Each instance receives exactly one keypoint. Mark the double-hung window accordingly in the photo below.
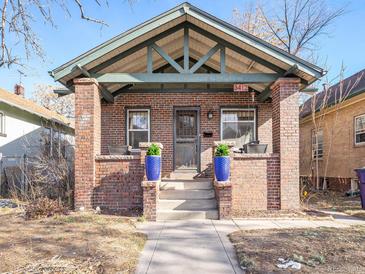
(2, 124)
(238, 125)
(138, 126)
(317, 144)
(360, 130)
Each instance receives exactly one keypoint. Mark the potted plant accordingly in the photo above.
(222, 163)
(153, 163)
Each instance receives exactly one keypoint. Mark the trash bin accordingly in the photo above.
(361, 175)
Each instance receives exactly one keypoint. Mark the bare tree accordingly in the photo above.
(319, 107)
(17, 25)
(44, 96)
(293, 25)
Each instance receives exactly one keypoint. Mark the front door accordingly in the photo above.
(186, 139)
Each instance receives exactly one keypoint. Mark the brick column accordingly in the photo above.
(151, 189)
(223, 192)
(87, 139)
(150, 199)
(285, 132)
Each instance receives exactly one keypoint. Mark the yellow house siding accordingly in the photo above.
(341, 155)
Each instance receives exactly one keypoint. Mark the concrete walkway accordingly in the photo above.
(202, 246)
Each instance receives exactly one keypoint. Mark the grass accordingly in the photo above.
(319, 250)
(76, 243)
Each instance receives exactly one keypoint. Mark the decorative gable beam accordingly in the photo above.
(266, 93)
(237, 49)
(186, 50)
(167, 58)
(219, 78)
(104, 92)
(205, 58)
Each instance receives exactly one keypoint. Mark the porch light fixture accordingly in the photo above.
(210, 115)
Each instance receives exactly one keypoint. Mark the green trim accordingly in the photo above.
(104, 92)
(205, 58)
(167, 58)
(181, 10)
(130, 78)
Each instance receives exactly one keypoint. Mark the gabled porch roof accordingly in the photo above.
(185, 45)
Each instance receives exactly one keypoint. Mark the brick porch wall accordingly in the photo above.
(118, 187)
(161, 107)
(255, 182)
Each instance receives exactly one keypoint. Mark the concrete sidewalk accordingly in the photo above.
(202, 246)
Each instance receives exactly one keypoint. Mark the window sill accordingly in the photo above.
(3, 135)
(359, 145)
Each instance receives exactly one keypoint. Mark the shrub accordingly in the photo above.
(44, 207)
(222, 150)
(153, 150)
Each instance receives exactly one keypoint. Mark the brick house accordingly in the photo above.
(332, 134)
(186, 80)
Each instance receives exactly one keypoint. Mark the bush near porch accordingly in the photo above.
(76, 243)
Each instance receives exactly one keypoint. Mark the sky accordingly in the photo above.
(73, 36)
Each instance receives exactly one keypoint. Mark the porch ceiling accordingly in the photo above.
(127, 53)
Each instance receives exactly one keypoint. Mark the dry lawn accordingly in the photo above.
(77, 243)
(320, 250)
(335, 201)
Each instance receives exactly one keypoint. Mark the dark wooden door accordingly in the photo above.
(186, 139)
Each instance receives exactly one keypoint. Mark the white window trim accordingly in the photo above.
(314, 131)
(148, 121)
(357, 143)
(239, 109)
(3, 124)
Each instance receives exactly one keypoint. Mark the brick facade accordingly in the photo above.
(285, 132)
(340, 154)
(161, 107)
(258, 182)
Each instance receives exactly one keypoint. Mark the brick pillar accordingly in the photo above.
(151, 189)
(150, 199)
(87, 139)
(285, 132)
(223, 192)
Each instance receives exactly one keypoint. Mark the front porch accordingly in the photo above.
(172, 80)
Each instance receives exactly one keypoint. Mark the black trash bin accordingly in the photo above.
(361, 175)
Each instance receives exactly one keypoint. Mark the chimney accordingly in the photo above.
(19, 90)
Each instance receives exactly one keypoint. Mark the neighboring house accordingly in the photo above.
(186, 79)
(27, 128)
(332, 134)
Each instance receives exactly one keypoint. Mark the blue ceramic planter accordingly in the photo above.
(221, 168)
(153, 167)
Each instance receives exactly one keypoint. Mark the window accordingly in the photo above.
(2, 124)
(238, 125)
(138, 126)
(360, 130)
(317, 144)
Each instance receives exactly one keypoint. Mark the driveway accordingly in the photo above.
(202, 246)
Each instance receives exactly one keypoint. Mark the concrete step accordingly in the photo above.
(187, 194)
(183, 175)
(186, 184)
(186, 214)
(203, 204)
